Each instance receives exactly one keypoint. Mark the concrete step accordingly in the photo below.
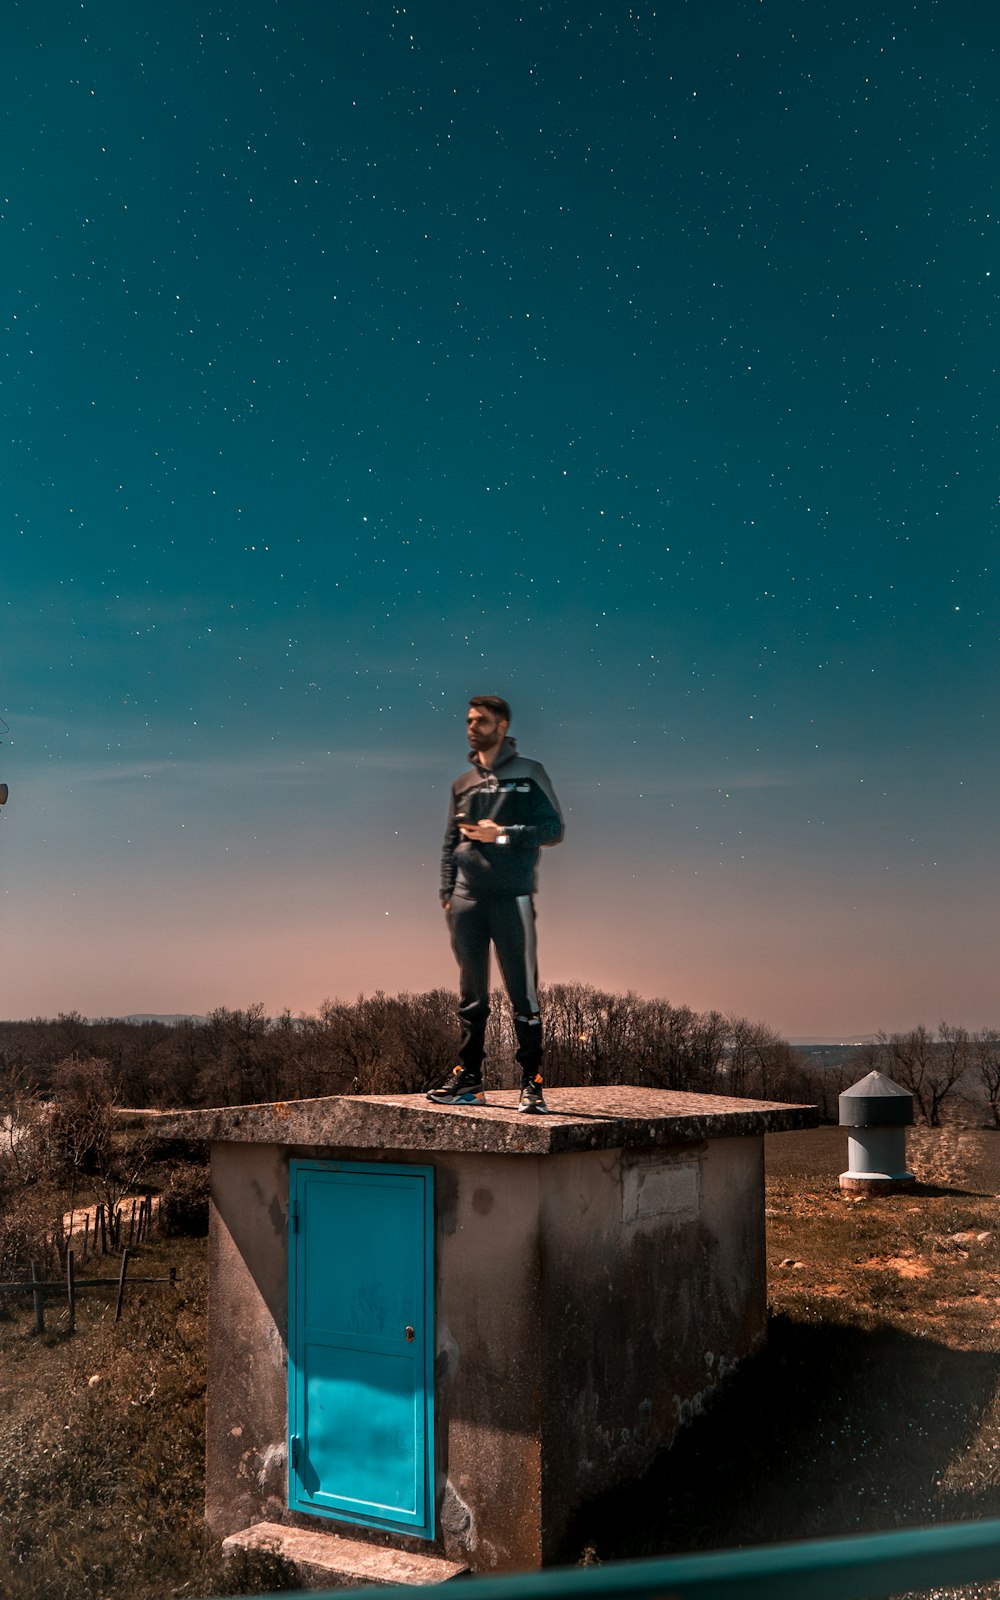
(328, 1561)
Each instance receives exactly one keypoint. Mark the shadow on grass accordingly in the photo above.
(946, 1191)
(831, 1429)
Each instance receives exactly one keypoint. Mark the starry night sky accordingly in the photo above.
(636, 363)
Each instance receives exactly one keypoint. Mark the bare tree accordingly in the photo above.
(930, 1068)
(760, 1062)
(19, 1112)
(240, 1067)
(985, 1053)
(708, 1039)
(80, 1121)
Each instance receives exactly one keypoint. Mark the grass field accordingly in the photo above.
(102, 1441)
(875, 1404)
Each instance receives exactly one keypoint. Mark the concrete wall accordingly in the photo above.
(654, 1287)
(247, 1408)
(585, 1303)
(488, 1397)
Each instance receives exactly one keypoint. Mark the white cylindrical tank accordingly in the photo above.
(878, 1113)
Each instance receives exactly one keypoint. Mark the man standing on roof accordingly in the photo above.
(502, 811)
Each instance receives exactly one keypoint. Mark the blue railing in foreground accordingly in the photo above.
(910, 1559)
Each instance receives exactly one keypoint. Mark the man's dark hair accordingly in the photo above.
(494, 703)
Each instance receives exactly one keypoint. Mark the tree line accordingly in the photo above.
(382, 1044)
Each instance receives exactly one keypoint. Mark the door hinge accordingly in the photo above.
(293, 1217)
(295, 1451)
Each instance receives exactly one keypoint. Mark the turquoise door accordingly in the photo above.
(361, 1343)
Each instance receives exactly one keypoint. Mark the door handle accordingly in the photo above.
(410, 1335)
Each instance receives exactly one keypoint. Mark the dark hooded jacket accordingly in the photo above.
(518, 795)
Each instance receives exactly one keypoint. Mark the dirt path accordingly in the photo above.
(75, 1222)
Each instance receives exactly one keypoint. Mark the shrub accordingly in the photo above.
(23, 1239)
(78, 1127)
(184, 1202)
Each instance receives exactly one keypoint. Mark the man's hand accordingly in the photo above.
(485, 832)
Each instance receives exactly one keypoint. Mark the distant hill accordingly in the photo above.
(850, 1041)
(830, 1057)
(169, 1021)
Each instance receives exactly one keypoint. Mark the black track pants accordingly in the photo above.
(508, 922)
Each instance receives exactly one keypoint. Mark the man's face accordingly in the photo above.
(484, 728)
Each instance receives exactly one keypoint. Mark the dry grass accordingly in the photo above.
(102, 1442)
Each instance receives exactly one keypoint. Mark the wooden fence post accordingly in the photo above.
(99, 1218)
(121, 1284)
(70, 1292)
(39, 1298)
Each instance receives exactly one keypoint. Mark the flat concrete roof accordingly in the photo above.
(580, 1119)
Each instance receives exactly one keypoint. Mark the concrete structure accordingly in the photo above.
(878, 1111)
(595, 1274)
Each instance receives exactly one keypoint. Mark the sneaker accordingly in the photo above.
(462, 1088)
(531, 1095)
